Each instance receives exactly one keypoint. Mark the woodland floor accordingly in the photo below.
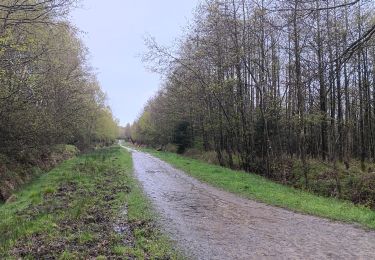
(209, 223)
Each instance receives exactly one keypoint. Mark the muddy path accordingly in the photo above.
(207, 223)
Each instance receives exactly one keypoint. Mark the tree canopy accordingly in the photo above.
(258, 81)
(49, 94)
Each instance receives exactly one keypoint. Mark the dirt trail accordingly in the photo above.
(208, 223)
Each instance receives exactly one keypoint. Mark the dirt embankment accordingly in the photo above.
(16, 172)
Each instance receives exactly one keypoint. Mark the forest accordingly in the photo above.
(258, 144)
(51, 104)
(285, 89)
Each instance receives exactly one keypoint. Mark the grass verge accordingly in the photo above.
(88, 207)
(256, 187)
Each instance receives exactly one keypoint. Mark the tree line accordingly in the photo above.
(261, 82)
(49, 94)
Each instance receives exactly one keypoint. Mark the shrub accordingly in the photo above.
(172, 148)
(360, 188)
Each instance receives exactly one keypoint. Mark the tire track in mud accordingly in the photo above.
(207, 223)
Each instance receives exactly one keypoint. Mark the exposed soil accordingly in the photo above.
(207, 223)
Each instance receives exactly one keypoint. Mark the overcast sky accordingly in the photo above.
(114, 32)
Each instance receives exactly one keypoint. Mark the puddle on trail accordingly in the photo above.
(123, 228)
(207, 223)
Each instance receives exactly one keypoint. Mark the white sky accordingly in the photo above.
(114, 31)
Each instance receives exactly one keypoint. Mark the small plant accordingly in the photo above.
(67, 256)
(49, 190)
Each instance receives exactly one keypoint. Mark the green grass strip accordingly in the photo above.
(70, 213)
